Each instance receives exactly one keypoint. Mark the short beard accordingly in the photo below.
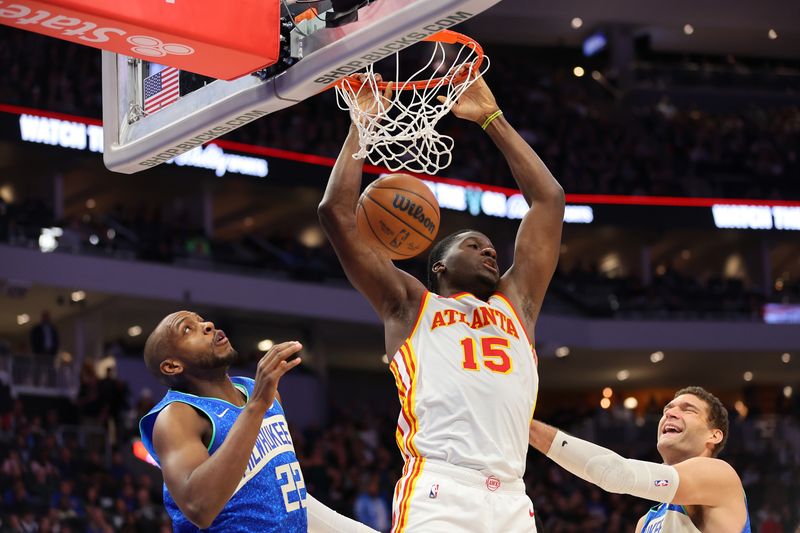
(213, 362)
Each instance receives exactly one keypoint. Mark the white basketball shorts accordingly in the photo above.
(437, 497)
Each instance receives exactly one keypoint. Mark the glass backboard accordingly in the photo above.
(152, 113)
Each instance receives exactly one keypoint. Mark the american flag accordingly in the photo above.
(161, 89)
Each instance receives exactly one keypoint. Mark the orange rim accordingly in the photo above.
(443, 36)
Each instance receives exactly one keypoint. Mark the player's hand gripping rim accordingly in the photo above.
(372, 105)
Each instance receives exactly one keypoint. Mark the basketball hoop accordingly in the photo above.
(400, 132)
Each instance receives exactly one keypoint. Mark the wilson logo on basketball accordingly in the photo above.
(398, 215)
(416, 211)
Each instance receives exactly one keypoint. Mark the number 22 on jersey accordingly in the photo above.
(492, 352)
(293, 477)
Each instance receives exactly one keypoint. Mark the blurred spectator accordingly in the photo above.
(44, 336)
(370, 508)
(90, 405)
(113, 396)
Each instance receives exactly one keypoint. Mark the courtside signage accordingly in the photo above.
(89, 137)
(478, 201)
(756, 217)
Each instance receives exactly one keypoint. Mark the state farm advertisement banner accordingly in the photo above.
(220, 40)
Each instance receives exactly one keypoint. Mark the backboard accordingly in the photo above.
(313, 57)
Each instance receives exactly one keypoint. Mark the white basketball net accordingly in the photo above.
(399, 133)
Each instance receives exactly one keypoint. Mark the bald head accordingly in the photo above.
(159, 344)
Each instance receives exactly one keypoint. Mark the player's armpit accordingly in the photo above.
(707, 481)
(640, 525)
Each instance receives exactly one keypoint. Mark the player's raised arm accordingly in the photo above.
(538, 240)
(696, 481)
(388, 289)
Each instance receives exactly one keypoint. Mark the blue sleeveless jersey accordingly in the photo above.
(671, 518)
(271, 494)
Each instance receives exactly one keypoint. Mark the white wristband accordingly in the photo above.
(612, 472)
(322, 519)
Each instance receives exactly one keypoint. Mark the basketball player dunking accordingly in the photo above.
(698, 491)
(463, 357)
(222, 442)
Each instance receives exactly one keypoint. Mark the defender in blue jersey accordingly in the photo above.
(222, 442)
(697, 491)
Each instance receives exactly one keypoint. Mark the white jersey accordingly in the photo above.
(467, 382)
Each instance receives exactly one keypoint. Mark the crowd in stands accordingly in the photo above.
(593, 141)
(150, 235)
(671, 294)
(56, 481)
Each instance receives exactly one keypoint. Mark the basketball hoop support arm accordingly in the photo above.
(383, 28)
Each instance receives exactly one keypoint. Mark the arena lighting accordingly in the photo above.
(578, 72)
(7, 193)
(312, 237)
(787, 391)
(562, 351)
(134, 331)
(630, 403)
(608, 392)
(786, 357)
(265, 345)
(772, 34)
(385, 359)
(605, 403)
(748, 376)
(657, 357)
(77, 296)
(48, 239)
(688, 29)
(91, 203)
(577, 22)
(23, 319)
(622, 375)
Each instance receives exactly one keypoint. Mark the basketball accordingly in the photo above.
(398, 215)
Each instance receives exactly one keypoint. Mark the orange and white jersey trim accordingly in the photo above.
(467, 382)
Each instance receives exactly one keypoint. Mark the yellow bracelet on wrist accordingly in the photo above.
(490, 118)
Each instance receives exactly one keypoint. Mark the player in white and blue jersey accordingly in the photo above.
(697, 491)
(222, 442)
